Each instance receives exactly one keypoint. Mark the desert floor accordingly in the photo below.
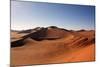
(77, 46)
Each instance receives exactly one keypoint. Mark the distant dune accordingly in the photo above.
(51, 45)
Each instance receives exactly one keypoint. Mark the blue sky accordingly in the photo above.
(26, 15)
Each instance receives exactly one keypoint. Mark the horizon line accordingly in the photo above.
(47, 27)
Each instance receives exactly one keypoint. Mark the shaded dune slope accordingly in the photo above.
(40, 34)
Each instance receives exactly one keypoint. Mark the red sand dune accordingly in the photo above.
(52, 45)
